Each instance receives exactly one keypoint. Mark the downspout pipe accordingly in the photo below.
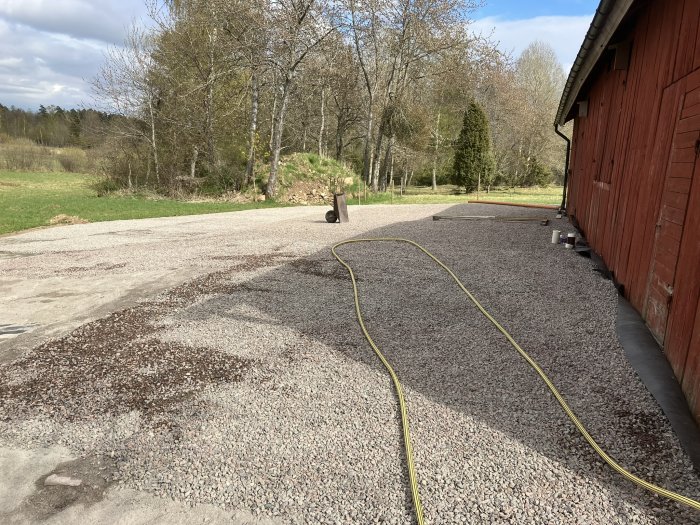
(562, 208)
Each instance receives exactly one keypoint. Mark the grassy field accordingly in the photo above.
(446, 195)
(30, 200)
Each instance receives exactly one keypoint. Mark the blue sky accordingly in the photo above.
(513, 24)
(50, 49)
(519, 9)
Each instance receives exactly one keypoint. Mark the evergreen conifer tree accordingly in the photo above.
(473, 155)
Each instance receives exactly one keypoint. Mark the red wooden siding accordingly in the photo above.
(669, 228)
(635, 175)
(683, 343)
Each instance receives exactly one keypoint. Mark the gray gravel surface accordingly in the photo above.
(302, 425)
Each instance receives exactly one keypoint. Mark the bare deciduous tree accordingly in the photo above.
(300, 26)
(126, 86)
(383, 84)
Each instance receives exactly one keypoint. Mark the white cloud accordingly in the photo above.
(46, 44)
(104, 21)
(10, 62)
(564, 33)
(46, 68)
(50, 49)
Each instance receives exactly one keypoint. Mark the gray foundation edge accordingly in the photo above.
(650, 363)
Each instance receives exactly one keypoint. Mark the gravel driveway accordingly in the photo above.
(249, 390)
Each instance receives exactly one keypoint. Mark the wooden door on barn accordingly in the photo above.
(660, 302)
(682, 344)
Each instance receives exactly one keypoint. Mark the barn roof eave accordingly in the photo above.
(606, 20)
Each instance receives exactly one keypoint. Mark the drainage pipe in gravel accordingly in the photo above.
(413, 480)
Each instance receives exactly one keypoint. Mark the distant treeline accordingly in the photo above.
(56, 127)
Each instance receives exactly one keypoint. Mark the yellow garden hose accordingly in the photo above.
(402, 402)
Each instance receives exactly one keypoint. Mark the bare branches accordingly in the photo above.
(383, 81)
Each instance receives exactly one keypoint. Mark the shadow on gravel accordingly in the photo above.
(553, 302)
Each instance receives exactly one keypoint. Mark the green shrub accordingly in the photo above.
(105, 186)
(537, 174)
(425, 177)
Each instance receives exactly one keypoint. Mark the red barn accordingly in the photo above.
(633, 183)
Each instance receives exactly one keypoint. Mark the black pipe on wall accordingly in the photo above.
(562, 208)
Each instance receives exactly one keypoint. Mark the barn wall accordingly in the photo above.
(634, 183)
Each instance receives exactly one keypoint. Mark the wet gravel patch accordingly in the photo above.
(110, 379)
(95, 475)
(308, 430)
(118, 364)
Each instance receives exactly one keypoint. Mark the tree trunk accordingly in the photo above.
(209, 105)
(278, 127)
(339, 139)
(323, 123)
(378, 152)
(435, 153)
(391, 160)
(272, 124)
(386, 166)
(209, 125)
(367, 158)
(252, 132)
(154, 145)
(193, 163)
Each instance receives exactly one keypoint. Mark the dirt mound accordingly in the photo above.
(66, 219)
(308, 192)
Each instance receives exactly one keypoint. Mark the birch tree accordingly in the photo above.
(381, 83)
(300, 26)
(247, 28)
(394, 41)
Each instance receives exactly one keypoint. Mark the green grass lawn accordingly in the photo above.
(29, 200)
(446, 195)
